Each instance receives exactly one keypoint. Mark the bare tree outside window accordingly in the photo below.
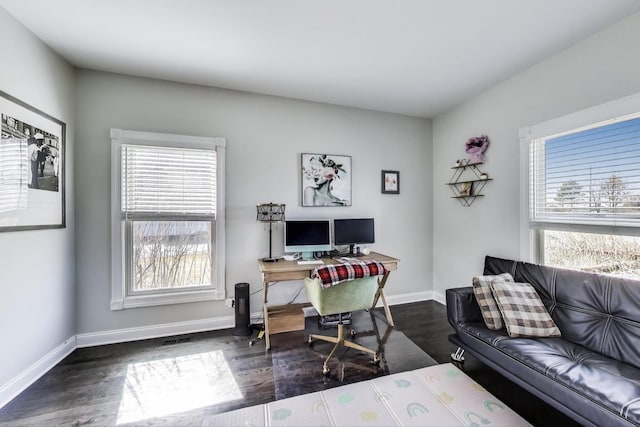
(570, 194)
(171, 254)
(613, 192)
(598, 253)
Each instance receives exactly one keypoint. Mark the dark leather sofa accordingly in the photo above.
(591, 373)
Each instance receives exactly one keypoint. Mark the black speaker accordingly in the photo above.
(241, 306)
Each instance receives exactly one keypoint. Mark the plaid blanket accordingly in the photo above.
(332, 274)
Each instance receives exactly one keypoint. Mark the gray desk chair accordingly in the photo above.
(347, 296)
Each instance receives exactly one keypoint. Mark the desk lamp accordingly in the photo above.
(270, 212)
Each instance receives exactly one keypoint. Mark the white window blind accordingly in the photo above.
(168, 181)
(589, 176)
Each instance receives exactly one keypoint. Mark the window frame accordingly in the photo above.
(532, 238)
(120, 299)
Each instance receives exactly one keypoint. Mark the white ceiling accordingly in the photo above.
(414, 57)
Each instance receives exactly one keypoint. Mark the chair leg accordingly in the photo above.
(322, 338)
(361, 348)
(339, 341)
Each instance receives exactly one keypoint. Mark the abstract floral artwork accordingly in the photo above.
(326, 180)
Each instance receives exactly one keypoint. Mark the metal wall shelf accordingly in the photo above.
(466, 190)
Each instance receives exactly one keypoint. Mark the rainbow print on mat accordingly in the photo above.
(436, 396)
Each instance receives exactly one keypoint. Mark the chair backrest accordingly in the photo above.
(351, 295)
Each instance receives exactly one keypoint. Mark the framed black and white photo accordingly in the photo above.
(326, 180)
(32, 152)
(390, 182)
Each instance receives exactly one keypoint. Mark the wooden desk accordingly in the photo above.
(282, 270)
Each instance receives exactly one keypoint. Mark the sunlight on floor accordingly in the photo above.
(163, 387)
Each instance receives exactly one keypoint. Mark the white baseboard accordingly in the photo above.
(154, 331)
(255, 317)
(439, 297)
(407, 298)
(169, 329)
(30, 375)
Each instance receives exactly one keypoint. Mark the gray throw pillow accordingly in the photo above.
(522, 310)
(484, 296)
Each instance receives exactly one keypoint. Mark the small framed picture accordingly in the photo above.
(465, 189)
(390, 182)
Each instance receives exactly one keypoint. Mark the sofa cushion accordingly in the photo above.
(488, 306)
(481, 332)
(613, 384)
(523, 312)
(525, 361)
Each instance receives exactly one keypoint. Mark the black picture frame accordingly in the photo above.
(32, 167)
(390, 182)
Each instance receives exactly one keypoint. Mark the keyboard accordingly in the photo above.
(311, 261)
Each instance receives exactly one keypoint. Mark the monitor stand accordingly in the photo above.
(307, 256)
(352, 251)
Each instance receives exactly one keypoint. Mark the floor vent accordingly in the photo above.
(174, 341)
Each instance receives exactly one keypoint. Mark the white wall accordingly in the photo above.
(601, 68)
(36, 267)
(265, 136)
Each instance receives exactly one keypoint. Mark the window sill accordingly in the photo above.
(139, 301)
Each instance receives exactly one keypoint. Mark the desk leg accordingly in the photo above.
(380, 294)
(265, 314)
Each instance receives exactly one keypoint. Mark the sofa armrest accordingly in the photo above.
(462, 306)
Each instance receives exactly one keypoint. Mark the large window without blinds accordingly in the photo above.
(584, 197)
(169, 220)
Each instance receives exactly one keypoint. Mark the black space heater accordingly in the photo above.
(241, 306)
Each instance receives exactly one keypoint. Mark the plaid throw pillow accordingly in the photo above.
(522, 309)
(488, 306)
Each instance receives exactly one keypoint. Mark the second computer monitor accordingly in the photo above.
(353, 231)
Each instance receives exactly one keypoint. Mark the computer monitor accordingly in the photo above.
(353, 231)
(307, 236)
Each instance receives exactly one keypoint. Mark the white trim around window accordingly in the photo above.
(120, 299)
(530, 246)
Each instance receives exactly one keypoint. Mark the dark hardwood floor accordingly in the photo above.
(183, 380)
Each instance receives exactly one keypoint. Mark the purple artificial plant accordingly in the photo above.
(476, 147)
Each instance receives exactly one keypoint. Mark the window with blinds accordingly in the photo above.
(169, 199)
(589, 176)
(168, 181)
(167, 213)
(584, 197)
